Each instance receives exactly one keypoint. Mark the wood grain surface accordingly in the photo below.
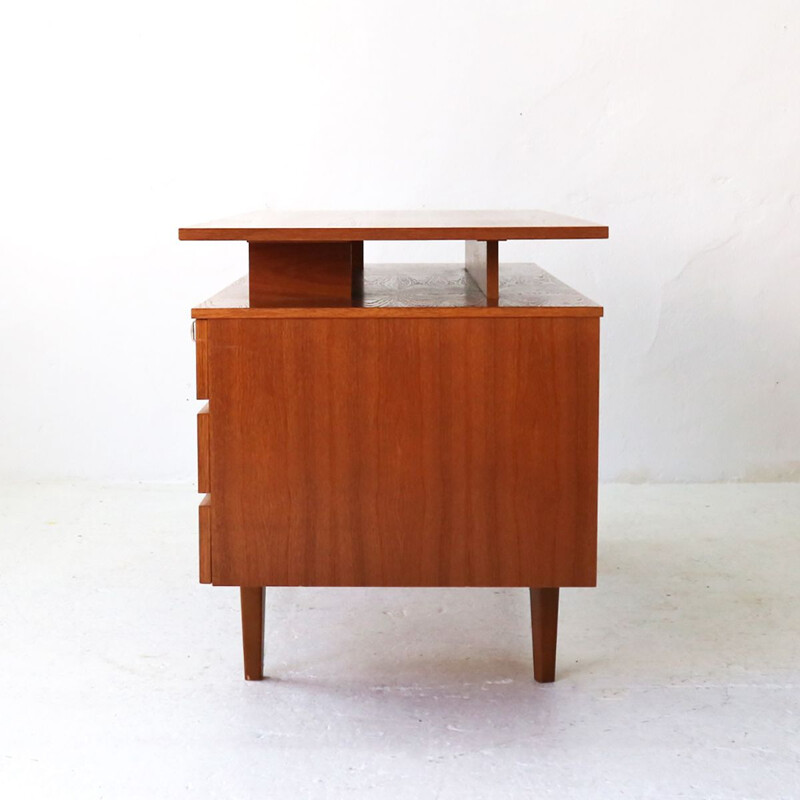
(337, 226)
(404, 452)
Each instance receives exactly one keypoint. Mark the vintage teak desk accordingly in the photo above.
(425, 425)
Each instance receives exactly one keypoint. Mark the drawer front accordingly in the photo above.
(201, 345)
(205, 539)
(203, 450)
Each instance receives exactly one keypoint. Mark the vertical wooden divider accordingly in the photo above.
(357, 260)
(482, 263)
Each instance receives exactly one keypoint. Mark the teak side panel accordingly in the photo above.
(404, 452)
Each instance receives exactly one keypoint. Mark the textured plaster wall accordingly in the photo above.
(677, 123)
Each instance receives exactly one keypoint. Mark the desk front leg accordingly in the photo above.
(253, 605)
(544, 629)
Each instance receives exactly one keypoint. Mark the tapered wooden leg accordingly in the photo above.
(544, 628)
(253, 631)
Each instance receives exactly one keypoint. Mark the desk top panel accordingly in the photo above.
(434, 290)
(346, 226)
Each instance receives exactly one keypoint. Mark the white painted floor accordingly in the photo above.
(679, 676)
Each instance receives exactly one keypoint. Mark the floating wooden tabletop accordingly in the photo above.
(346, 226)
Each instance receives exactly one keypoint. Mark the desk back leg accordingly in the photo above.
(253, 631)
(544, 628)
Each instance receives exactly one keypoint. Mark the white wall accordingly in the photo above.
(677, 123)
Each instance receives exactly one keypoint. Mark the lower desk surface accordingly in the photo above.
(416, 289)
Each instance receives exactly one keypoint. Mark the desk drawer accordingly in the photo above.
(201, 345)
(205, 539)
(203, 450)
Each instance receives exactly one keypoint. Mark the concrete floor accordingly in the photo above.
(679, 676)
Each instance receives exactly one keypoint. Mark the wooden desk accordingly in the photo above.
(413, 425)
